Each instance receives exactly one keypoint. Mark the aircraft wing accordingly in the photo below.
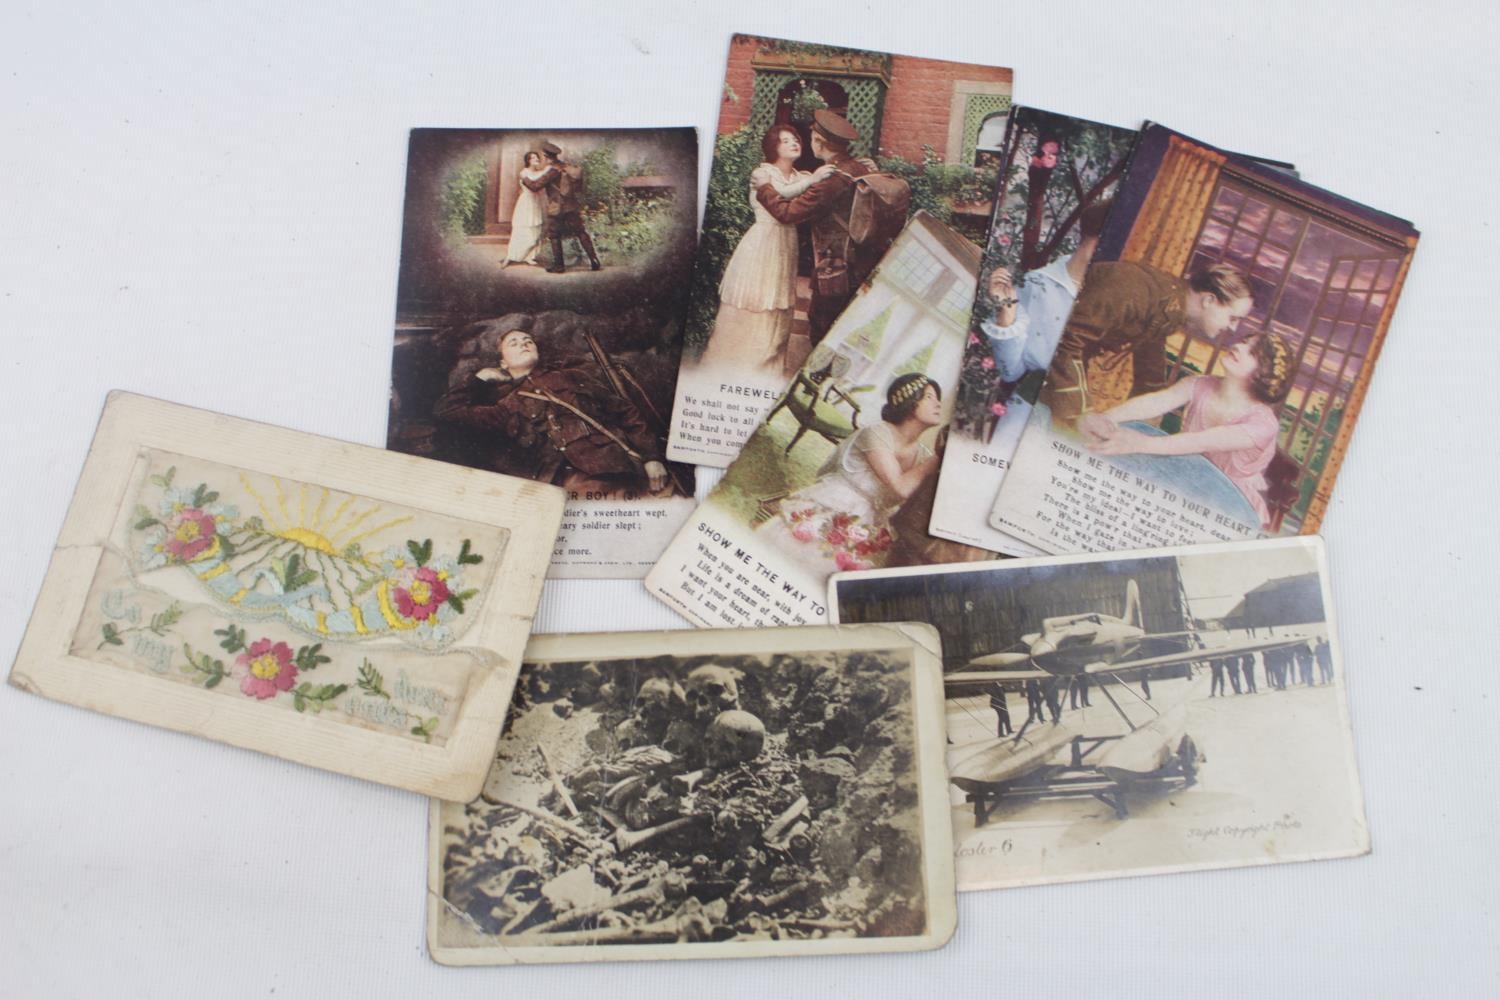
(1194, 655)
(968, 678)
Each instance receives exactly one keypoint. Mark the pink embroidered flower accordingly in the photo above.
(858, 533)
(803, 533)
(845, 561)
(987, 363)
(998, 409)
(1005, 240)
(973, 339)
(835, 536)
(189, 532)
(265, 668)
(419, 597)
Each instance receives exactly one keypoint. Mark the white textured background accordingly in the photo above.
(203, 203)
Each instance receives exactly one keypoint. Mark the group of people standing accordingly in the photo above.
(1309, 663)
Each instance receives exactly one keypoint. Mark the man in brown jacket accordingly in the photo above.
(563, 183)
(1117, 332)
(552, 423)
(840, 265)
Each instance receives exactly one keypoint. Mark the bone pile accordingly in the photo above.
(657, 801)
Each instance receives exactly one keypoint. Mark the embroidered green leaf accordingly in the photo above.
(234, 638)
(371, 682)
(457, 600)
(163, 620)
(144, 518)
(425, 729)
(211, 670)
(227, 547)
(354, 552)
(366, 584)
(165, 479)
(315, 696)
(421, 553)
(111, 637)
(466, 558)
(309, 657)
(292, 574)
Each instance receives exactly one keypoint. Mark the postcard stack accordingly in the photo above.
(1012, 578)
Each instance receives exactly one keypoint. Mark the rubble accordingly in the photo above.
(677, 799)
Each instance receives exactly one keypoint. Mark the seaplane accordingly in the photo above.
(1029, 763)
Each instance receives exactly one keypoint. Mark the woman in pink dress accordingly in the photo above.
(1230, 419)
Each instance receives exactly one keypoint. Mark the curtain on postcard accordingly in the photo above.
(1168, 223)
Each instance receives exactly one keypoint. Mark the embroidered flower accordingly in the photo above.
(987, 363)
(419, 592)
(804, 533)
(189, 532)
(973, 339)
(998, 409)
(265, 668)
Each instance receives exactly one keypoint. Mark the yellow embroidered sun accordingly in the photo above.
(337, 535)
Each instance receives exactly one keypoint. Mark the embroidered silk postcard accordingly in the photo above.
(841, 473)
(821, 156)
(1169, 710)
(705, 795)
(1058, 183)
(543, 279)
(1208, 379)
(328, 603)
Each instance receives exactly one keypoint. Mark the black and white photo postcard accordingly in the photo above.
(539, 323)
(327, 603)
(714, 794)
(1162, 711)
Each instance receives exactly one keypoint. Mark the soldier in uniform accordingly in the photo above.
(840, 265)
(563, 183)
(998, 701)
(552, 423)
(1122, 318)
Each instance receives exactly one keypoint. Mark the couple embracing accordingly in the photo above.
(550, 205)
(850, 226)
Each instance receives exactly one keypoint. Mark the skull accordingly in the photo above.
(653, 703)
(710, 691)
(733, 737)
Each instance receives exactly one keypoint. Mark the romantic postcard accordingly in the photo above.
(842, 471)
(1057, 185)
(720, 794)
(1208, 379)
(821, 156)
(1168, 710)
(323, 602)
(539, 323)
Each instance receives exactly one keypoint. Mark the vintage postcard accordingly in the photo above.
(820, 157)
(539, 316)
(746, 794)
(841, 473)
(1164, 711)
(1057, 186)
(1209, 377)
(323, 602)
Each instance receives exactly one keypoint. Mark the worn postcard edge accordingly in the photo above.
(130, 423)
(932, 780)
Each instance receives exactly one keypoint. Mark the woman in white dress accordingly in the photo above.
(758, 293)
(842, 520)
(529, 215)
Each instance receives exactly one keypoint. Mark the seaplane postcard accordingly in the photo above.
(539, 323)
(1169, 710)
(841, 473)
(1057, 188)
(821, 155)
(1208, 379)
(328, 603)
(716, 794)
